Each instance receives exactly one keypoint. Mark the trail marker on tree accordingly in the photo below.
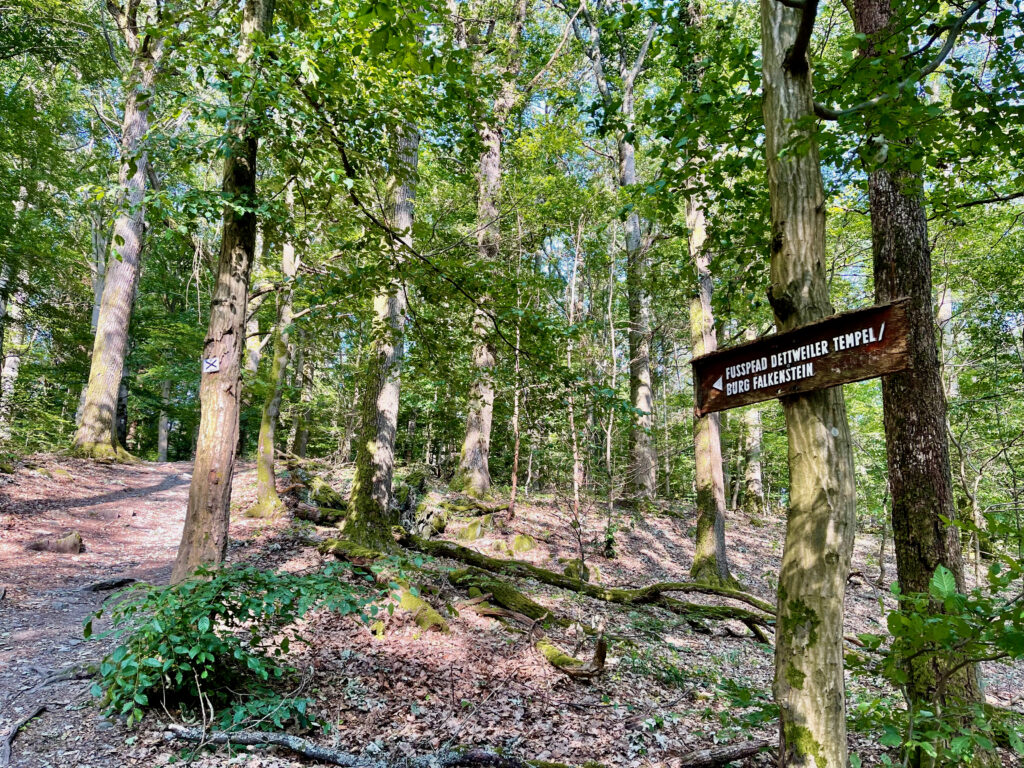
(852, 346)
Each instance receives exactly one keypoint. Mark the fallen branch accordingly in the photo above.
(711, 757)
(454, 758)
(8, 740)
(108, 584)
(651, 595)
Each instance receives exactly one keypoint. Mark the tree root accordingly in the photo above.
(654, 594)
(450, 758)
(12, 734)
(423, 614)
(467, 506)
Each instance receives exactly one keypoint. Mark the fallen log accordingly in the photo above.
(452, 758)
(711, 757)
(650, 595)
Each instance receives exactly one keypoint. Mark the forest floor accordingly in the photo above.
(669, 691)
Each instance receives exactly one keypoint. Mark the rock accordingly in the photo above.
(68, 544)
(471, 532)
(523, 543)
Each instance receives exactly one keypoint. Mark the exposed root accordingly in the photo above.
(115, 454)
(654, 594)
(12, 734)
(424, 615)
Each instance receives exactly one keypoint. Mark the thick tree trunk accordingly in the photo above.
(710, 562)
(163, 425)
(97, 433)
(205, 537)
(809, 685)
(925, 535)
(268, 503)
(370, 517)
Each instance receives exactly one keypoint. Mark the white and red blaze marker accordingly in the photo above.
(837, 350)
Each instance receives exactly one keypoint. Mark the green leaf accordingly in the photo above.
(943, 583)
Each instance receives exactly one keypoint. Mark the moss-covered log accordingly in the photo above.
(423, 614)
(655, 593)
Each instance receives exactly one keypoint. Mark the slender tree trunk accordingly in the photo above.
(163, 425)
(577, 465)
(268, 503)
(97, 433)
(925, 535)
(205, 537)
(753, 490)
(473, 475)
(643, 470)
(944, 317)
(516, 396)
(352, 417)
(710, 561)
(809, 685)
(370, 518)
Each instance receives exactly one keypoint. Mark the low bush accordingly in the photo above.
(217, 642)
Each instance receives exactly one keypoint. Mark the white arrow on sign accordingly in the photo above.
(718, 384)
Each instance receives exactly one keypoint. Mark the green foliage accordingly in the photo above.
(932, 639)
(219, 640)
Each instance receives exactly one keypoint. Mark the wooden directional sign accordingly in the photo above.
(849, 347)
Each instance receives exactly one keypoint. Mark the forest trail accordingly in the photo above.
(676, 690)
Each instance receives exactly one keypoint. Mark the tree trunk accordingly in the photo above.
(204, 540)
(710, 561)
(473, 475)
(268, 503)
(643, 470)
(369, 521)
(163, 425)
(925, 535)
(300, 426)
(97, 433)
(13, 332)
(944, 317)
(753, 481)
(809, 685)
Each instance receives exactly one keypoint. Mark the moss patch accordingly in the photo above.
(800, 740)
(523, 543)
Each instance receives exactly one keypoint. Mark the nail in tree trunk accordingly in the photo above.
(268, 503)
(370, 518)
(204, 540)
(809, 685)
(97, 432)
(163, 425)
(473, 476)
(923, 514)
(710, 562)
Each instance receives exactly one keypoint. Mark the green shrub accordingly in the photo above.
(945, 630)
(219, 640)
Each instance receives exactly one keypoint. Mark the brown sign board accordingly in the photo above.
(849, 347)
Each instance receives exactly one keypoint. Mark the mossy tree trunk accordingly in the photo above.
(268, 503)
(809, 686)
(710, 561)
(204, 539)
(370, 517)
(96, 436)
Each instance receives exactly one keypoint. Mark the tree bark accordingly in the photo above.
(205, 537)
(163, 425)
(97, 432)
(473, 476)
(370, 518)
(710, 561)
(12, 330)
(809, 685)
(753, 432)
(923, 514)
(268, 503)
